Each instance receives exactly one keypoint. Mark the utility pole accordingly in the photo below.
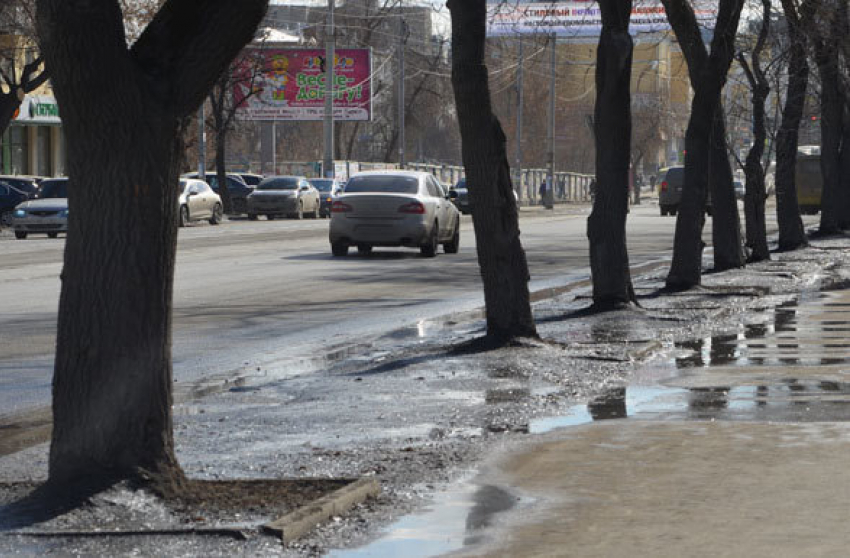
(519, 102)
(402, 31)
(202, 147)
(328, 162)
(548, 195)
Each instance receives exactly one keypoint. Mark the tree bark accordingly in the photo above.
(501, 258)
(121, 110)
(832, 116)
(221, 169)
(606, 226)
(702, 159)
(726, 222)
(792, 235)
(755, 194)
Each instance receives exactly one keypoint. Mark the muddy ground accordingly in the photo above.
(408, 409)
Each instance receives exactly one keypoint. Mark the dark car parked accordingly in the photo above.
(236, 185)
(251, 179)
(26, 184)
(9, 198)
(328, 189)
(462, 199)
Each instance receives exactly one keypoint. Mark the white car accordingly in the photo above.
(394, 208)
(46, 215)
(198, 202)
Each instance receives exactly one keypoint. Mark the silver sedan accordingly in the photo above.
(284, 195)
(394, 208)
(46, 215)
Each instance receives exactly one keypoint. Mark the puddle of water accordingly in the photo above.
(456, 518)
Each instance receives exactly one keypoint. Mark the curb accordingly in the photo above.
(296, 523)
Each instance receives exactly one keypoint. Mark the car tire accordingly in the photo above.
(339, 249)
(364, 249)
(252, 216)
(663, 211)
(53, 235)
(270, 217)
(184, 215)
(217, 214)
(20, 235)
(453, 245)
(429, 249)
(673, 211)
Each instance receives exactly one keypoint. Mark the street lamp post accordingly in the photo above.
(328, 162)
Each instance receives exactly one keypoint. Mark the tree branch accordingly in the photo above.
(186, 45)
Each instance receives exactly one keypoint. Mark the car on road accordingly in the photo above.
(276, 196)
(236, 186)
(670, 191)
(10, 197)
(198, 202)
(740, 191)
(328, 188)
(27, 184)
(394, 208)
(46, 215)
(462, 199)
(251, 179)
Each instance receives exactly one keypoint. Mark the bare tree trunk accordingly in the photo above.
(121, 111)
(606, 226)
(221, 169)
(30, 80)
(755, 194)
(832, 115)
(725, 222)
(792, 235)
(501, 258)
(703, 159)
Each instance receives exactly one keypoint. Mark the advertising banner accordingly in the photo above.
(582, 18)
(37, 110)
(291, 84)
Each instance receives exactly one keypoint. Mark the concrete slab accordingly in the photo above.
(647, 488)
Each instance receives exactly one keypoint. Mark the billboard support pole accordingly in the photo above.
(327, 163)
(548, 194)
(519, 103)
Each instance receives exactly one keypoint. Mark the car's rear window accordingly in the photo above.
(675, 175)
(381, 184)
(322, 185)
(278, 184)
(54, 189)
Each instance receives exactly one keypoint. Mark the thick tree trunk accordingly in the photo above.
(725, 222)
(703, 157)
(501, 258)
(832, 116)
(792, 235)
(686, 268)
(606, 226)
(121, 110)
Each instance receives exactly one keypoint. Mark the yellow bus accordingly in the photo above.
(808, 179)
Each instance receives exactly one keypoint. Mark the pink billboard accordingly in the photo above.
(291, 84)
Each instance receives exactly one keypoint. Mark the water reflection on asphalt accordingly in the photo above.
(769, 372)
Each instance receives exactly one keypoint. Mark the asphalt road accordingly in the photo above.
(269, 296)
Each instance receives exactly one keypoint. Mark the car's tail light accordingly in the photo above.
(663, 185)
(414, 207)
(340, 207)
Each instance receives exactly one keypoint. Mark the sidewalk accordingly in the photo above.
(744, 454)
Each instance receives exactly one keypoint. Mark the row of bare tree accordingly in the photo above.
(123, 109)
